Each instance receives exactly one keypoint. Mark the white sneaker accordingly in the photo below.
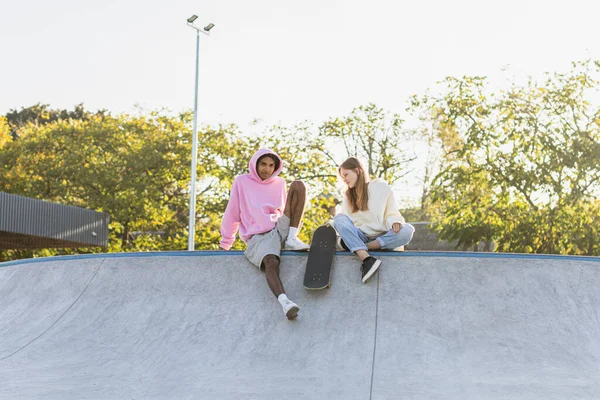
(293, 243)
(290, 309)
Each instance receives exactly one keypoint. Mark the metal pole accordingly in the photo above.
(192, 222)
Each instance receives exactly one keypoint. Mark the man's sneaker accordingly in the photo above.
(290, 309)
(369, 267)
(340, 245)
(293, 243)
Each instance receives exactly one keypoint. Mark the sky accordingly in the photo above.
(276, 61)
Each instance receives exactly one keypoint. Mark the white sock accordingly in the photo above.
(282, 297)
(293, 232)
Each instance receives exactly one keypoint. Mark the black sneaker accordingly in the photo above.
(340, 245)
(369, 267)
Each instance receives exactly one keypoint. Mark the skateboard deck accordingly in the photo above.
(320, 259)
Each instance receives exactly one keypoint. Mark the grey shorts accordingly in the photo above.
(263, 244)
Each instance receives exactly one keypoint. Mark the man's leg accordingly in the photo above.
(296, 199)
(294, 209)
(263, 251)
(271, 264)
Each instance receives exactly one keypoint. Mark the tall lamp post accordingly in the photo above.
(192, 222)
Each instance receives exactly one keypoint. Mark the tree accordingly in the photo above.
(134, 168)
(5, 136)
(41, 114)
(371, 134)
(313, 156)
(517, 166)
(303, 160)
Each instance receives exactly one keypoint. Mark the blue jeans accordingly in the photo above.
(355, 239)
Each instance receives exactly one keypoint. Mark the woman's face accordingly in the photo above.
(349, 176)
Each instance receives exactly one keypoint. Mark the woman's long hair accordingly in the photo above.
(358, 196)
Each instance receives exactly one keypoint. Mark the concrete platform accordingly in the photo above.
(203, 325)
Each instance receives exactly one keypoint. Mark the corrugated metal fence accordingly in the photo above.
(29, 223)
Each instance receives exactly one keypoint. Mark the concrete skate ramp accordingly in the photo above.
(203, 325)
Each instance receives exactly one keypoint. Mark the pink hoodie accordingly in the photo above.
(254, 205)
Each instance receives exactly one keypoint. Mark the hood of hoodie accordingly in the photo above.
(252, 165)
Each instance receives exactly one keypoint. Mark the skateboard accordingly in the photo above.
(320, 259)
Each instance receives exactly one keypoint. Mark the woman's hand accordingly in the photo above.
(396, 227)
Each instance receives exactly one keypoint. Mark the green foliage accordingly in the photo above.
(136, 168)
(5, 136)
(41, 114)
(520, 167)
(303, 160)
(415, 214)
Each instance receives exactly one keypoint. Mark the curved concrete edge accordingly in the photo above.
(219, 253)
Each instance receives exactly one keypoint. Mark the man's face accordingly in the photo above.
(266, 167)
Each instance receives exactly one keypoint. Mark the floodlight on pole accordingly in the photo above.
(192, 219)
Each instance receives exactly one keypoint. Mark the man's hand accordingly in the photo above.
(396, 227)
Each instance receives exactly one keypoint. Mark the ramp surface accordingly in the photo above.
(204, 325)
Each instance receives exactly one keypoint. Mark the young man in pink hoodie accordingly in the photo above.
(266, 218)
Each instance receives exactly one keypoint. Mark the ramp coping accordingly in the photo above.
(222, 253)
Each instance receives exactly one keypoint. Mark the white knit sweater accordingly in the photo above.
(382, 213)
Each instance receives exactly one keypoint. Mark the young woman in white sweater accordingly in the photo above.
(370, 219)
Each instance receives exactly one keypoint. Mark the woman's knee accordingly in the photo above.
(342, 219)
(408, 228)
(406, 232)
(341, 222)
